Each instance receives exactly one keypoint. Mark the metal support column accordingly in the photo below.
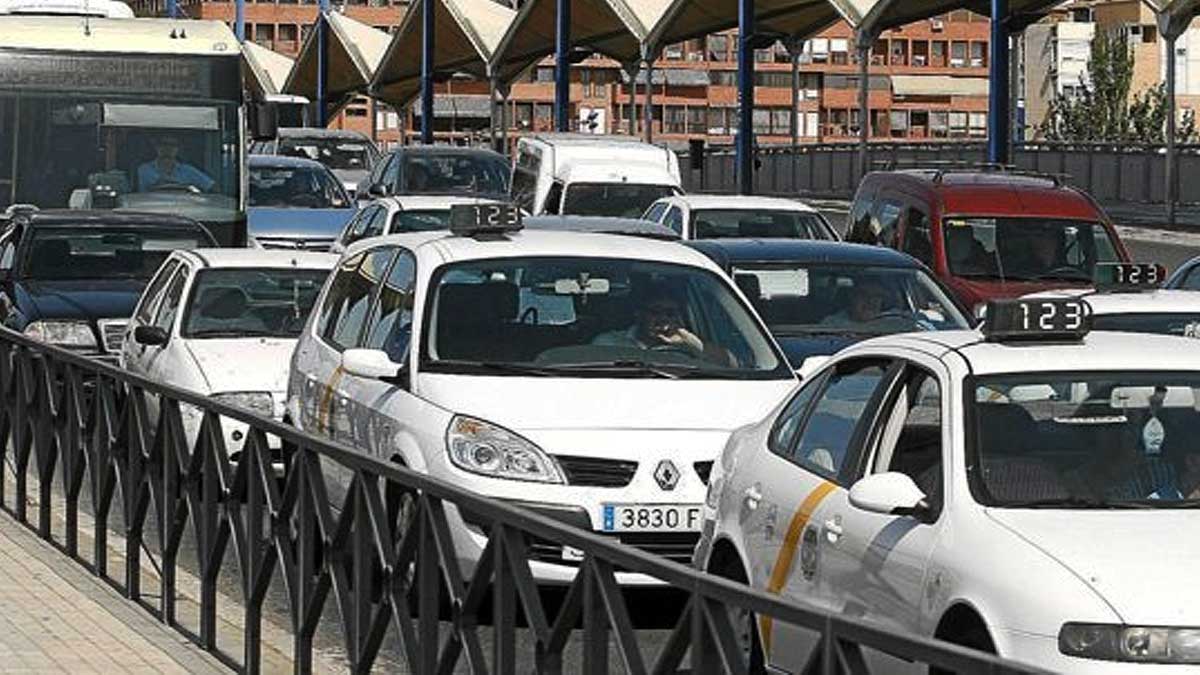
(505, 90)
(1015, 133)
(794, 47)
(1172, 157)
(998, 101)
(632, 70)
(494, 108)
(745, 81)
(239, 19)
(322, 28)
(428, 30)
(648, 107)
(562, 66)
(864, 99)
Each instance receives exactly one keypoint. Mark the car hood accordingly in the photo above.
(797, 348)
(81, 298)
(281, 222)
(972, 291)
(544, 403)
(1141, 562)
(223, 361)
(350, 177)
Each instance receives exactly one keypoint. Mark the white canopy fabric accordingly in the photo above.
(689, 19)
(355, 50)
(468, 32)
(264, 71)
(1177, 15)
(938, 85)
(616, 28)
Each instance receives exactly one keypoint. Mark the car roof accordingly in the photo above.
(802, 250)
(448, 150)
(997, 193)
(1097, 351)
(741, 202)
(606, 140)
(316, 132)
(428, 201)
(283, 161)
(602, 224)
(529, 243)
(254, 257)
(106, 218)
(1135, 302)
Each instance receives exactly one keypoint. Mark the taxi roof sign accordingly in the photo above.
(469, 220)
(1128, 276)
(1037, 319)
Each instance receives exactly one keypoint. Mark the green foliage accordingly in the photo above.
(1104, 111)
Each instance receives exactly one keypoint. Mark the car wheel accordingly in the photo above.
(744, 622)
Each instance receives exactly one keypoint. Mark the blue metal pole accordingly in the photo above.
(428, 22)
(322, 29)
(239, 19)
(562, 66)
(998, 89)
(745, 81)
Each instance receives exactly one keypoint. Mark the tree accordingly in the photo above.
(1102, 109)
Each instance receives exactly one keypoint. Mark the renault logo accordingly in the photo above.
(666, 475)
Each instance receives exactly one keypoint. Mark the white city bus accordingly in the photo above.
(90, 108)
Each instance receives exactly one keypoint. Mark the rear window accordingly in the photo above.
(621, 200)
(723, 223)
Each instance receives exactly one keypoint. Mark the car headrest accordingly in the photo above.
(1005, 428)
(223, 303)
(749, 284)
(494, 301)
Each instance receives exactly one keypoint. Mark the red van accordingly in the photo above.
(987, 233)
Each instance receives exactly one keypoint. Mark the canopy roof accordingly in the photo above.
(355, 50)
(615, 28)
(689, 19)
(264, 71)
(468, 32)
(1175, 15)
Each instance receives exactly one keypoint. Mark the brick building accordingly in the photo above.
(928, 80)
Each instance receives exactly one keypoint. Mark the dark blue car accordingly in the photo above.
(72, 278)
(818, 297)
(1186, 276)
(295, 203)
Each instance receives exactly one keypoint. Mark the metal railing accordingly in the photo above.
(70, 421)
(1110, 172)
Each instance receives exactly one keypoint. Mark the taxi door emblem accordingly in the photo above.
(808, 553)
(666, 475)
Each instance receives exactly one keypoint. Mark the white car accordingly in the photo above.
(723, 216)
(582, 377)
(223, 323)
(1138, 306)
(1026, 492)
(405, 213)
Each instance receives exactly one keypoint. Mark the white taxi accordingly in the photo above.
(1030, 490)
(223, 323)
(402, 213)
(592, 378)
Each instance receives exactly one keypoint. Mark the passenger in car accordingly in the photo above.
(659, 325)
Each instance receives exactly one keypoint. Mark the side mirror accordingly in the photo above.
(150, 336)
(811, 365)
(374, 364)
(891, 494)
(376, 190)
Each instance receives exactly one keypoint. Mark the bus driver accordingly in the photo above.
(166, 169)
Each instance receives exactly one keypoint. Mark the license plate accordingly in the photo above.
(651, 517)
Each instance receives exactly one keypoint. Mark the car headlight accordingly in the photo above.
(712, 498)
(484, 448)
(76, 334)
(257, 402)
(1135, 644)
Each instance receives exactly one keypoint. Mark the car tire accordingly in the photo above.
(972, 636)
(745, 622)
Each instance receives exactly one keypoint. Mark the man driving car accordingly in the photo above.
(166, 169)
(659, 325)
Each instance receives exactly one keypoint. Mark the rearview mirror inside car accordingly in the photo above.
(149, 335)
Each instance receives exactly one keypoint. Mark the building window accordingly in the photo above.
(781, 121)
(288, 32)
(839, 51)
(939, 123)
(937, 53)
(978, 54)
(676, 122)
(978, 123)
(523, 115)
(772, 78)
(543, 115)
(958, 124)
(544, 74)
(695, 120)
(264, 34)
(723, 78)
(898, 120)
(958, 54)
(719, 120)
(673, 52)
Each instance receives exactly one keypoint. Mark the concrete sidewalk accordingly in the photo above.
(56, 617)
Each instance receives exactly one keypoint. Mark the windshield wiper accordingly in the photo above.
(832, 331)
(497, 367)
(1081, 503)
(629, 366)
(230, 333)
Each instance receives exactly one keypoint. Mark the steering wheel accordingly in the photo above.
(1075, 272)
(677, 349)
(529, 312)
(895, 314)
(175, 187)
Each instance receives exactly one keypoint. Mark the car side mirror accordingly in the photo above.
(376, 190)
(150, 336)
(889, 494)
(375, 364)
(810, 365)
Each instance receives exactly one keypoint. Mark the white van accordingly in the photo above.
(582, 174)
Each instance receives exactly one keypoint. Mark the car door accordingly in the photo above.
(809, 466)
(143, 315)
(381, 409)
(878, 562)
(157, 360)
(916, 239)
(674, 219)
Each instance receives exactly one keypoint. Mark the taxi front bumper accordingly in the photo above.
(1041, 651)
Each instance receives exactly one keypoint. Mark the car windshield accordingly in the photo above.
(237, 303)
(421, 221)
(723, 223)
(603, 317)
(1026, 249)
(1186, 324)
(1086, 440)
(62, 253)
(620, 200)
(798, 299)
(454, 173)
(300, 187)
(335, 153)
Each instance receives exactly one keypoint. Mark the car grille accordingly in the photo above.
(321, 245)
(703, 469)
(112, 333)
(675, 546)
(597, 472)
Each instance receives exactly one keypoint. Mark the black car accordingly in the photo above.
(72, 277)
(437, 170)
(818, 297)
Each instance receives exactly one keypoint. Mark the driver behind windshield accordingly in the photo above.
(866, 304)
(1036, 253)
(166, 169)
(659, 325)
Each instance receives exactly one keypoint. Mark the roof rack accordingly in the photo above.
(938, 169)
